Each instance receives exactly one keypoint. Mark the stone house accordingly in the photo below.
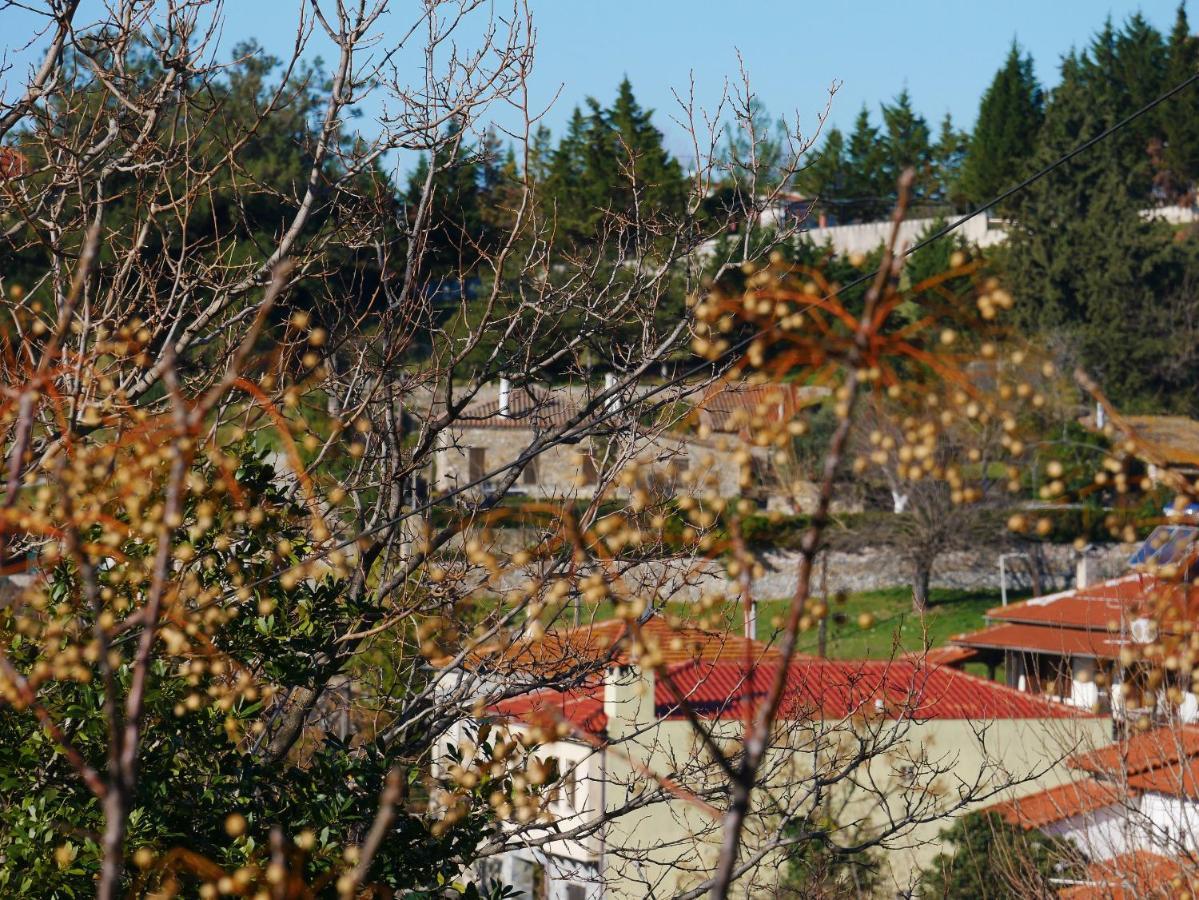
(708, 448)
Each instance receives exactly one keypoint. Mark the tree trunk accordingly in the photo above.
(922, 572)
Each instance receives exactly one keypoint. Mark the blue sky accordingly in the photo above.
(944, 51)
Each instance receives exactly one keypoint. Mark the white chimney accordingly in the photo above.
(1100, 418)
(1082, 573)
(751, 621)
(628, 700)
(505, 396)
(609, 383)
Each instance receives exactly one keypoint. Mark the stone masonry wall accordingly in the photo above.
(870, 568)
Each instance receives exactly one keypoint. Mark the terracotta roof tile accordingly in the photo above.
(1178, 779)
(1045, 639)
(942, 656)
(1140, 753)
(730, 406)
(1130, 876)
(1091, 607)
(622, 642)
(815, 688)
(1075, 798)
(547, 410)
(1173, 440)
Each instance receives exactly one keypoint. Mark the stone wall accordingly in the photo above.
(870, 568)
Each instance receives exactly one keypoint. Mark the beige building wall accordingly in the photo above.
(669, 847)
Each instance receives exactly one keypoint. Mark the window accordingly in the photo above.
(576, 892)
(529, 474)
(477, 462)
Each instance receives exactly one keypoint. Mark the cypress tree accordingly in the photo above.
(947, 157)
(1005, 133)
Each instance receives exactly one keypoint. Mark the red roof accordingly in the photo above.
(546, 708)
(1176, 780)
(815, 688)
(948, 655)
(1075, 798)
(615, 640)
(1140, 753)
(1131, 876)
(1042, 639)
(1092, 607)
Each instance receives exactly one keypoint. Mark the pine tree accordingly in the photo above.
(645, 173)
(566, 192)
(612, 166)
(453, 224)
(1005, 133)
(1090, 274)
(1135, 73)
(907, 145)
(1179, 120)
(868, 191)
(826, 176)
(947, 157)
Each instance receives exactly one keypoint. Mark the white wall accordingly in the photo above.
(1101, 834)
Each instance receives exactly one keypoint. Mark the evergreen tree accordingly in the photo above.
(567, 189)
(826, 175)
(868, 191)
(612, 166)
(1005, 133)
(1179, 120)
(1090, 273)
(645, 173)
(1134, 73)
(988, 857)
(947, 157)
(453, 231)
(907, 144)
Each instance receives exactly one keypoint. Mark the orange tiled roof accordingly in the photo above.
(1045, 639)
(1140, 753)
(815, 688)
(620, 642)
(1091, 607)
(1130, 876)
(730, 406)
(1178, 779)
(1075, 798)
(942, 656)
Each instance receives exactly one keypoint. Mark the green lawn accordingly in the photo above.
(895, 626)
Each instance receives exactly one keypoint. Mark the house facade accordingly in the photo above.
(713, 451)
(1132, 802)
(1083, 646)
(670, 846)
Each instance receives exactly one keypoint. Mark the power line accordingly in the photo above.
(587, 421)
